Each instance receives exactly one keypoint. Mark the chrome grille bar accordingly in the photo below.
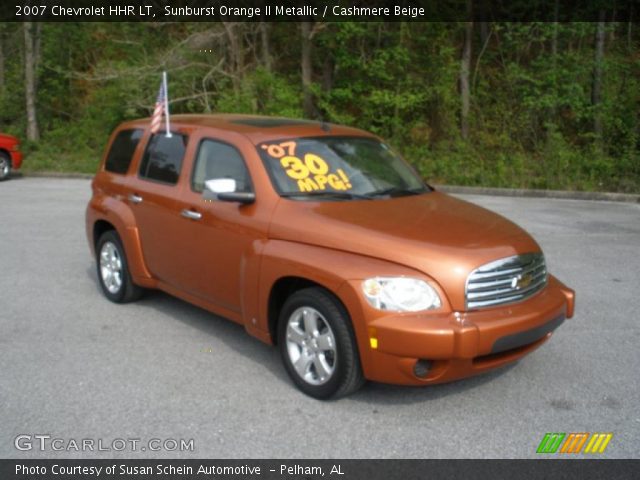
(506, 280)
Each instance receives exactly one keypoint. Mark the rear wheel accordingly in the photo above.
(113, 270)
(318, 346)
(5, 166)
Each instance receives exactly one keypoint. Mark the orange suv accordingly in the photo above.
(318, 238)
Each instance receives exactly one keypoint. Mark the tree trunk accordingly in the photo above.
(31, 50)
(266, 47)
(307, 70)
(596, 88)
(2, 59)
(484, 32)
(554, 58)
(612, 25)
(236, 50)
(554, 38)
(465, 67)
(629, 25)
(328, 69)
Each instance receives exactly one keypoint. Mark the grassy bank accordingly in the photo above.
(457, 164)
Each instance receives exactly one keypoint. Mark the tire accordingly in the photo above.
(318, 346)
(5, 166)
(113, 270)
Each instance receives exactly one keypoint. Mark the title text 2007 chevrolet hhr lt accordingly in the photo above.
(320, 239)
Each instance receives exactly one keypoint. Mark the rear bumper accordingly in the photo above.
(16, 160)
(462, 344)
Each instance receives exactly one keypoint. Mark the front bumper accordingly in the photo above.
(16, 160)
(460, 344)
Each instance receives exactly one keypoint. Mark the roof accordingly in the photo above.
(259, 128)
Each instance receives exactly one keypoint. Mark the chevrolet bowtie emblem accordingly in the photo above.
(521, 281)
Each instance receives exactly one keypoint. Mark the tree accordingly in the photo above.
(2, 59)
(31, 59)
(266, 48)
(236, 50)
(465, 68)
(596, 89)
(307, 69)
(525, 101)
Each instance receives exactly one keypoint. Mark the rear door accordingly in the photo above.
(152, 197)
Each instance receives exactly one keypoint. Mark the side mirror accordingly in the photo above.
(224, 190)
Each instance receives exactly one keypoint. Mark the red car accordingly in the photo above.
(10, 155)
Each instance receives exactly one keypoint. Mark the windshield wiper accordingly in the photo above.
(341, 195)
(395, 191)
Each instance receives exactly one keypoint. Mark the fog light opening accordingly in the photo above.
(422, 367)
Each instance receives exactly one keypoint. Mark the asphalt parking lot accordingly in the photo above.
(75, 366)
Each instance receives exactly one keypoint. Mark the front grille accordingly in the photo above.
(506, 280)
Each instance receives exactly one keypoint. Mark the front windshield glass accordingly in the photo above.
(339, 167)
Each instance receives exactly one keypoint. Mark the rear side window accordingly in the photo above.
(162, 160)
(122, 150)
(219, 160)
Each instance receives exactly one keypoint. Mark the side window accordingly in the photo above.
(122, 149)
(219, 160)
(162, 159)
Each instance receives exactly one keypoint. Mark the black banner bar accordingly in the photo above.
(174, 469)
(318, 10)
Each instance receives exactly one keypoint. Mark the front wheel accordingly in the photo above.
(318, 346)
(5, 166)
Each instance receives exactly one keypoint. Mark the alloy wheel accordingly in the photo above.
(311, 346)
(111, 267)
(4, 167)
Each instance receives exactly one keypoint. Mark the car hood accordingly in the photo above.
(442, 236)
(4, 138)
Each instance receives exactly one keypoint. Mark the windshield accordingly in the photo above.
(338, 168)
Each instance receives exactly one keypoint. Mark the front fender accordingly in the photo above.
(332, 269)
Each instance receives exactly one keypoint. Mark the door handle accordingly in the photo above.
(190, 214)
(135, 198)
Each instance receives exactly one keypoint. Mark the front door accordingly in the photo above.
(216, 238)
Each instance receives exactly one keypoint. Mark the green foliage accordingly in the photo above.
(531, 120)
(263, 93)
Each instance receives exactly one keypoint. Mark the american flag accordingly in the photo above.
(156, 118)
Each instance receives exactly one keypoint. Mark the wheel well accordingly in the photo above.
(281, 290)
(8, 155)
(100, 227)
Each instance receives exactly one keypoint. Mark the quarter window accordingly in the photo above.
(219, 160)
(162, 160)
(122, 149)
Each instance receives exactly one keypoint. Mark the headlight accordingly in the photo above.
(402, 294)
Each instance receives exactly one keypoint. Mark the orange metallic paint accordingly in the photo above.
(229, 261)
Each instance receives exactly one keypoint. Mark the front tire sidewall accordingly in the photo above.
(5, 159)
(337, 319)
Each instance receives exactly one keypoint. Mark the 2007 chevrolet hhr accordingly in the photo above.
(320, 239)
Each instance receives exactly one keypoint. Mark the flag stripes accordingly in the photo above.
(162, 108)
(156, 118)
